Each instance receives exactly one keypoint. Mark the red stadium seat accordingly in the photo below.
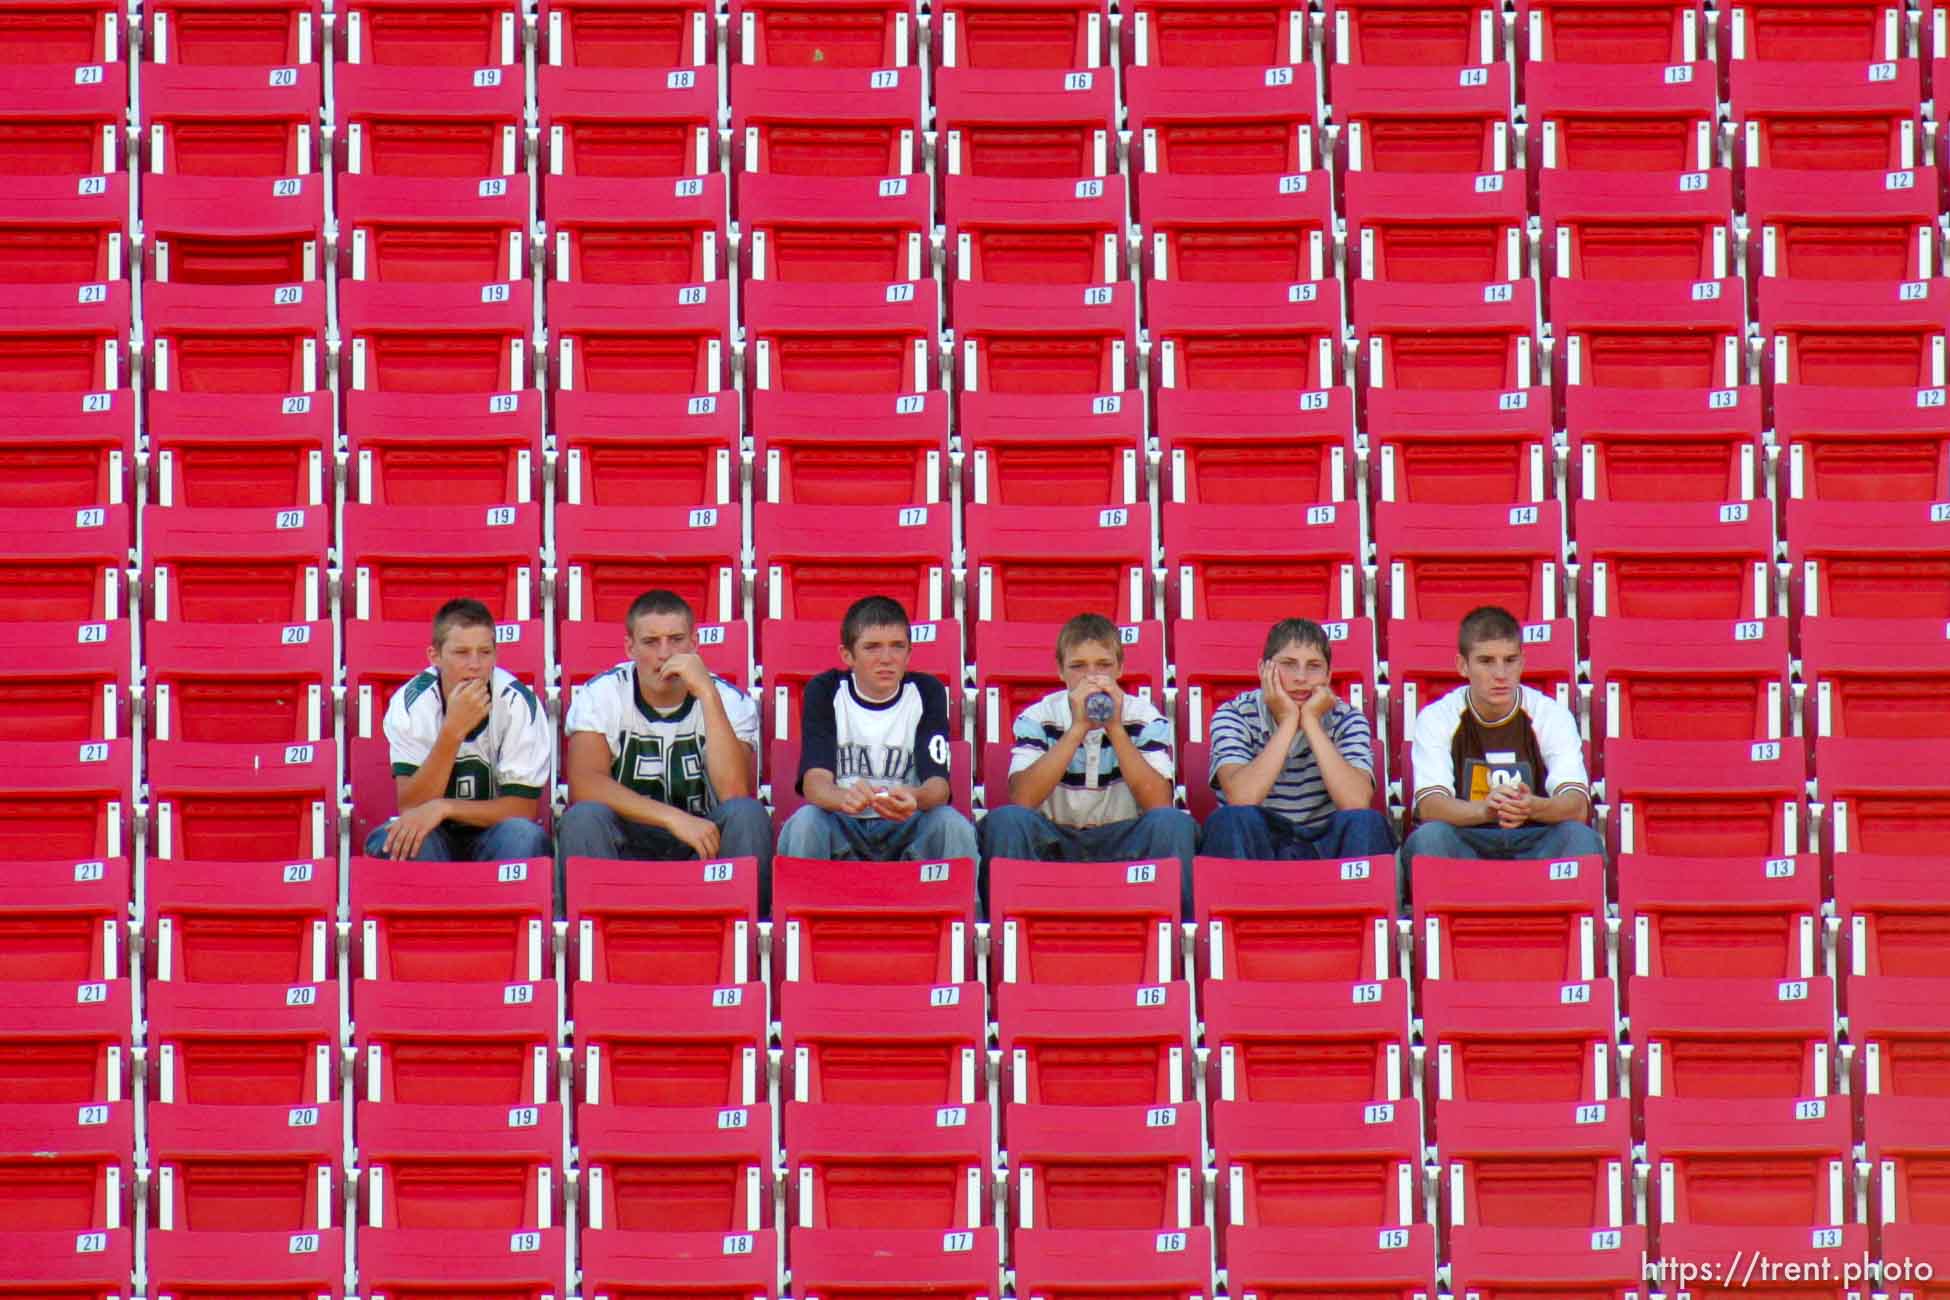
(1294, 921)
(60, 450)
(797, 33)
(65, 921)
(1008, 34)
(884, 1045)
(235, 339)
(833, 924)
(1521, 920)
(1105, 1167)
(1634, 119)
(54, 122)
(1774, 30)
(61, 681)
(1844, 228)
(1674, 679)
(457, 1044)
(1085, 923)
(1422, 665)
(852, 1264)
(650, 231)
(620, 339)
(1700, 918)
(1850, 560)
(618, 124)
(1422, 120)
(1446, 336)
(798, 650)
(810, 565)
(1637, 226)
(1461, 449)
(1751, 1163)
(1875, 679)
(1827, 116)
(284, 1053)
(1695, 561)
(1292, 1263)
(1606, 31)
(1519, 1166)
(1216, 33)
(1727, 1038)
(1263, 563)
(1085, 1263)
(1005, 230)
(1039, 564)
(651, 1265)
(1652, 446)
(663, 923)
(608, 556)
(1509, 1262)
(1437, 228)
(627, 33)
(1882, 794)
(846, 230)
(841, 338)
(1906, 1147)
(1707, 798)
(404, 562)
(212, 230)
(243, 803)
(450, 122)
(820, 450)
(230, 451)
(1824, 1253)
(1254, 448)
(670, 1169)
(1437, 562)
(1619, 335)
(693, 1046)
(55, 230)
(1267, 337)
(448, 231)
(203, 31)
(1218, 661)
(1854, 335)
(64, 565)
(888, 1167)
(63, 800)
(381, 657)
(223, 566)
(242, 923)
(1317, 1041)
(431, 33)
(250, 683)
(1415, 33)
(462, 921)
(61, 1170)
(418, 338)
(1204, 120)
(245, 1169)
(65, 339)
(1027, 125)
(74, 1266)
(439, 1167)
(841, 121)
(1862, 444)
(204, 1266)
(65, 1043)
(1047, 340)
(230, 121)
(485, 1263)
(1519, 1041)
(1275, 230)
(63, 31)
(1017, 669)
(647, 450)
(1022, 449)
(1901, 1036)
(1299, 1165)
(423, 450)
(1894, 912)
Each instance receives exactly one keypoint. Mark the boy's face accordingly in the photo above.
(465, 655)
(878, 659)
(1298, 668)
(1494, 670)
(1087, 659)
(655, 638)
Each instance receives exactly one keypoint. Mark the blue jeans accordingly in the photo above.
(1013, 831)
(1259, 834)
(507, 841)
(593, 830)
(1536, 840)
(941, 832)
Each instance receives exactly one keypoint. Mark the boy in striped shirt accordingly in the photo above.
(1293, 764)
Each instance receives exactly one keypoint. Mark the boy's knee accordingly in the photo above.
(521, 837)
(1173, 827)
(803, 835)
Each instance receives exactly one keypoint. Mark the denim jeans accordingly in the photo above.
(941, 832)
(1013, 831)
(1259, 834)
(506, 841)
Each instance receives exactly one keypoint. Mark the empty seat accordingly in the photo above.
(404, 562)
(1438, 561)
(618, 124)
(1826, 116)
(1280, 338)
(1724, 1037)
(60, 121)
(1425, 120)
(1046, 340)
(1635, 119)
(1068, 450)
(1437, 228)
(1874, 679)
(1027, 125)
(1854, 335)
(443, 33)
(1317, 1165)
(209, 1265)
(1221, 34)
(834, 924)
(663, 923)
(1288, 1263)
(1637, 226)
(1849, 227)
(1263, 229)
(1461, 449)
(230, 121)
(67, 800)
(1906, 1148)
(231, 450)
(841, 338)
(1882, 794)
(225, 566)
(213, 230)
(1696, 561)
(472, 921)
(65, 921)
(1850, 560)
(828, 122)
(1735, 798)
(440, 1168)
(810, 565)
(853, 1264)
(1751, 1163)
(1613, 335)
(885, 1045)
(1446, 336)
(690, 1046)
(889, 1167)
(243, 802)
(1610, 1262)
(1318, 1041)
(65, 339)
(63, 31)
(285, 1053)
(676, 1169)
(1687, 680)
(235, 339)
(65, 1043)
(423, 450)
(1823, 1253)
(1007, 34)
(1607, 31)
(1083, 1263)
(623, 339)
(1261, 563)
(381, 657)
(651, 231)
(55, 230)
(245, 1169)
(1105, 1167)
(1515, 1165)
(483, 1262)
(1039, 564)
(57, 449)
(1229, 448)
(1520, 1041)
(1002, 229)
(796, 33)
(842, 230)
(1415, 33)
(449, 122)
(242, 923)
(454, 1044)
(74, 1266)
(1893, 913)
(1773, 30)
(1670, 445)
(1294, 921)
(393, 228)
(1422, 665)
(1694, 918)
(1510, 921)
(62, 681)
(608, 556)
(419, 338)
(66, 1169)
(626, 33)
(1901, 1038)
(1085, 923)
(1218, 661)
(646, 450)
(1205, 120)
(251, 683)
(796, 651)
(200, 31)
(1862, 444)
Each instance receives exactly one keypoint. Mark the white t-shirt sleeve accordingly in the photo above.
(742, 710)
(527, 750)
(1433, 752)
(408, 737)
(593, 709)
(1557, 737)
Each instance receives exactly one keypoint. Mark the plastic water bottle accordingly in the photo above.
(1098, 707)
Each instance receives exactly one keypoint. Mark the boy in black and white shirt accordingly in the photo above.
(873, 764)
